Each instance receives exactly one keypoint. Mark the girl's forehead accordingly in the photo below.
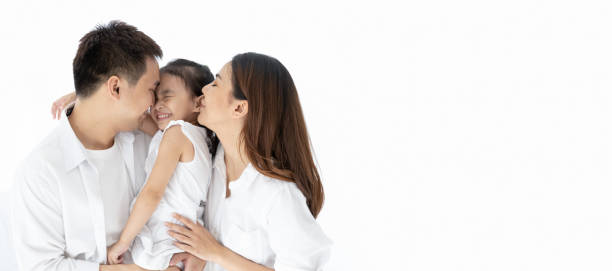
(170, 82)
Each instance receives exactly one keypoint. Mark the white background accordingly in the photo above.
(451, 135)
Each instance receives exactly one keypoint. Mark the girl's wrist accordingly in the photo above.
(124, 241)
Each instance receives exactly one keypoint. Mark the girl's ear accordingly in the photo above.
(196, 104)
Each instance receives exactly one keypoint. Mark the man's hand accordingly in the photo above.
(190, 262)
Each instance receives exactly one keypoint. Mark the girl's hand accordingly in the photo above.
(147, 125)
(58, 106)
(115, 252)
(195, 239)
(190, 262)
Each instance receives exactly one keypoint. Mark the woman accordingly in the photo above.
(265, 191)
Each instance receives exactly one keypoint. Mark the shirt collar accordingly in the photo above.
(248, 175)
(219, 163)
(74, 152)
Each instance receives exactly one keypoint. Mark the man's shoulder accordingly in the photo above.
(45, 155)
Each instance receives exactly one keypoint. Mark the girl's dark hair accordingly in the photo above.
(274, 133)
(195, 76)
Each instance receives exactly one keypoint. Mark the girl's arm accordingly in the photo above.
(171, 148)
(58, 106)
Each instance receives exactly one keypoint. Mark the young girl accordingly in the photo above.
(178, 167)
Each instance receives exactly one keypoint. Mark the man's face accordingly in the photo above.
(135, 100)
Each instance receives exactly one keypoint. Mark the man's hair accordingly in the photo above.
(113, 49)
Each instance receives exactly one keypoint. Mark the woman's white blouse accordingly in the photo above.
(265, 220)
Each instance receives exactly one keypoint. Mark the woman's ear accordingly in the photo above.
(112, 87)
(241, 109)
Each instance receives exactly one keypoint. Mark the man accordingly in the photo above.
(72, 194)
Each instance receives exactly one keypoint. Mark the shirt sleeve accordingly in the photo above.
(295, 236)
(37, 225)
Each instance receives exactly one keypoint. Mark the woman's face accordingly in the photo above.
(217, 104)
(173, 102)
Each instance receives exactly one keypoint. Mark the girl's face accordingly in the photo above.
(218, 107)
(173, 102)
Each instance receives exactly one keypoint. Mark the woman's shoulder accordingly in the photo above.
(277, 189)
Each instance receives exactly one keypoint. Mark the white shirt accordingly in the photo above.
(115, 187)
(265, 220)
(57, 207)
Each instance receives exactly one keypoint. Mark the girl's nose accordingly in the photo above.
(158, 106)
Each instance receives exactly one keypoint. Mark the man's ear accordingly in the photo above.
(241, 109)
(112, 87)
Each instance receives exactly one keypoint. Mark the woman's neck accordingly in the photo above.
(235, 158)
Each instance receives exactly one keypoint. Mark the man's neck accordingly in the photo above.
(91, 127)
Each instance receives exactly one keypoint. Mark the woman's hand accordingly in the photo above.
(195, 239)
(131, 267)
(190, 262)
(58, 106)
(114, 253)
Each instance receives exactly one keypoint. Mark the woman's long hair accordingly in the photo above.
(195, 76)
(274, 134)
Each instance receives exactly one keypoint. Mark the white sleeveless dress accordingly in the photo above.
(185, 194)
